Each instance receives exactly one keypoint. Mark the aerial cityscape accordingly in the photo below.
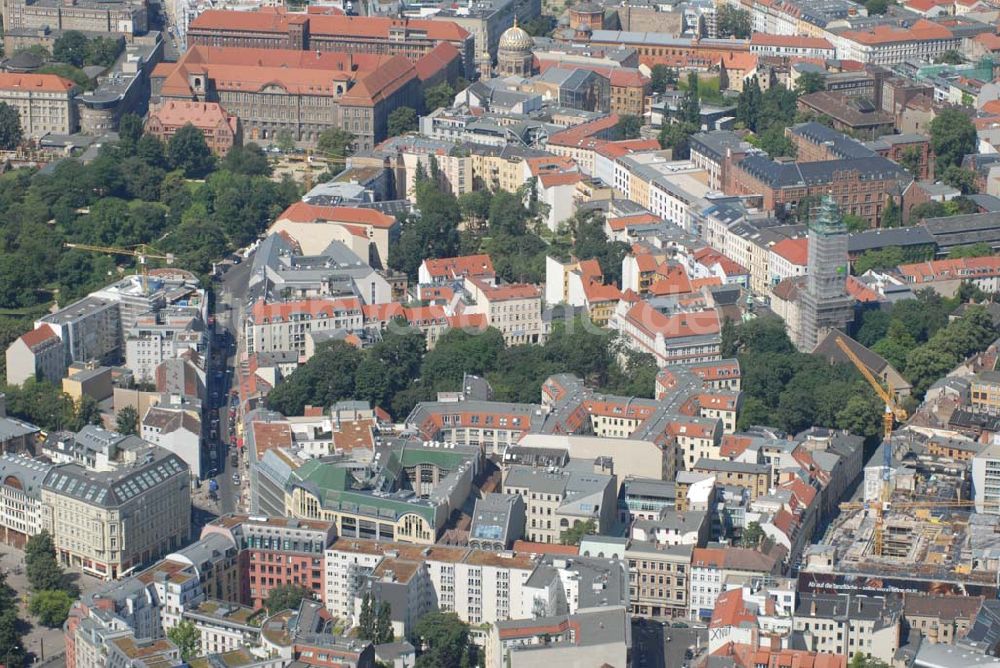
(500, 334)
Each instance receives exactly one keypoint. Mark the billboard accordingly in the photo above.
(876, 585)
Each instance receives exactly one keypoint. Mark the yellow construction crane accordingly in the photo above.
(893, 413)
(142, 252)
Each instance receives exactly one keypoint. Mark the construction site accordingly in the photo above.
(914, 529)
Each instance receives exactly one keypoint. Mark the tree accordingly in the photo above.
(775, 143)
(677, 137)
(286, 597)
(326, 378)
(690, 108)
(859, 660)
(401, 121)
(441, 95)
(285, 140)
(383, 624)
(366, 619)
(950, 57)
(187, 638)
(51, 607)
(444, 641)
(752, 535)
(87, 412)
(188, 152)
(44, 572)
(575, 533)
(733, 22)
(127, 421)
(627, 127)
(70, 47)
(910, 160)
(11, 648)
(10, 127)
(662, 78)
(103, 51)
(892, 215)
(879, 260)
(249, 160)
(981, 249)
(876, 6)
(963, 179)
(953, 136)
(748, 104)
(810, 82)
(855, 223)
(336, 143)
(129, 132)
(151, 151)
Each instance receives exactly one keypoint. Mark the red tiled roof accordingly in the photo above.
(597, 292)
(38, 336)
(511, 291)
(965, 268)
(437, 59)
(860, 291)
(524, 546)
(670, 280)
(239, 69)
(922, 30)
(282, 311)
(730, 611)
(652, 322)
(623, 222)
(323, 24)
(789, 41)
(795, 251)
(628, 78)
(564, 179)
(578, 134)
(202, 115)
(301, 212)
(463, 265)
(49, 83)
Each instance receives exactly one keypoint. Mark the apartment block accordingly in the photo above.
(680, 338)
(556, 500)
(36, 354)
(716, 569)
(846, 624)
(285, 325)
(43, 101)
(514, 309)
(278, 551)
(21, 509)
(129, 507)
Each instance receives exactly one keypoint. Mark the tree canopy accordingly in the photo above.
(187, 638)
(444, 639)
(401, 121)
(10, 127)
(575, 534)
(953, 136)
(286, 597)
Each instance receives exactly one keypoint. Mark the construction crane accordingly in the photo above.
(893, 413)
(141, 252)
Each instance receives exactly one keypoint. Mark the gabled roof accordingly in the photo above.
(301, 212)
(38, 336)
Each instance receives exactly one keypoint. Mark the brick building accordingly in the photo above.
(317, 33)
(859, 186)
(221, 130)
(300, 92)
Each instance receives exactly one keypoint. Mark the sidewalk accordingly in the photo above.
(39, 640)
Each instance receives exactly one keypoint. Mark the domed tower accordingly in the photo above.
(514, 54)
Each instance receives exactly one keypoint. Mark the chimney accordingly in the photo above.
(812, 608)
